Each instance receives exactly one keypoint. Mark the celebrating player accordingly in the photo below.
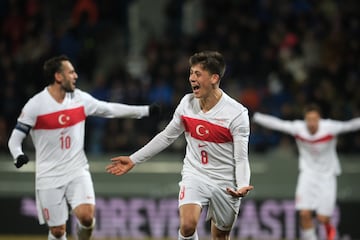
(318, 164)
(216, 169)
(55, 119)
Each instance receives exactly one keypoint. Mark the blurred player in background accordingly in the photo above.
(319, 165)
(55, 119)
(216, 169)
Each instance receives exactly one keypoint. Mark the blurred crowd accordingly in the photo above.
(281, 55)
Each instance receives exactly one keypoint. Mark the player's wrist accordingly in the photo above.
(21, 160)
(133, 160)
(154, 109)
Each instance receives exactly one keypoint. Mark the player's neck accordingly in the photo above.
(57, 93)
(210, 101)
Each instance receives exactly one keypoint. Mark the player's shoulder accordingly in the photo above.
(299, 124)
(187, 99)
(39, 97)
(328, 123)
(81, 94)
(234, 105)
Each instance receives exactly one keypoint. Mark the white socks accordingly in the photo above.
(51, 237)
(84, 233)
(193, 237)
(308, 234)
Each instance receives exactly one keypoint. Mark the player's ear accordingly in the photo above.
(57, 76)
(215, 78)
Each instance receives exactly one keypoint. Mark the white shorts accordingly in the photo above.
(222, 207)
(52, 204)
(316, 192)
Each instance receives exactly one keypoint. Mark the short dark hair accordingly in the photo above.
(211, 61)
(52, 66)
(312, 107)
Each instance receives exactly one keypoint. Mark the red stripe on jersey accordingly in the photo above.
(206, 131)
(319, 140)
(60, 119)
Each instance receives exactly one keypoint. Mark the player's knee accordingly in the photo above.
(217, 233)
(220, 235)
(58, 231)
(306, 219)
(305, 215)
(85, 214)
(188, 228)
(323, 219)
(86, 220)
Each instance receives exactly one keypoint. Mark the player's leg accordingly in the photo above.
(329, 228)
(306, 201)
(80, 195)
(57, 232)
(53, 210)
(326, 207)
(85, 215)
(223, 211)
(189, 216)
(217, 234)
(307, 224)
(192, 195)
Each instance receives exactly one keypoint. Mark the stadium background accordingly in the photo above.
(280, 55)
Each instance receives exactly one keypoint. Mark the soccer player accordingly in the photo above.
(216, 169)
(55, 119)
(319, 165)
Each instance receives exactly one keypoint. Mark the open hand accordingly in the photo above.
(242, 192)
(120, 165)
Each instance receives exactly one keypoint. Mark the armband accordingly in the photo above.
(23, 127)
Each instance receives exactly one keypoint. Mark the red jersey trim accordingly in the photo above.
(319, 140)
(206, 131)
(60, 119)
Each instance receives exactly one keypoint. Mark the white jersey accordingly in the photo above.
(217, 141)
(317, 152)
(58, 132)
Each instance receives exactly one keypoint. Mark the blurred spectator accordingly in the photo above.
(85, 11)
(97, 125)
(280, 56)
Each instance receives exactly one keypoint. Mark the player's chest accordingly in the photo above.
(61, 116)
(212, 129)
(317, 143)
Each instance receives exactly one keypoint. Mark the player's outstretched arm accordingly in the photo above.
(274, 123)
(242, 192)
(120, 165)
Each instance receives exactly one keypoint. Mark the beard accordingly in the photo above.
(68, 87)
